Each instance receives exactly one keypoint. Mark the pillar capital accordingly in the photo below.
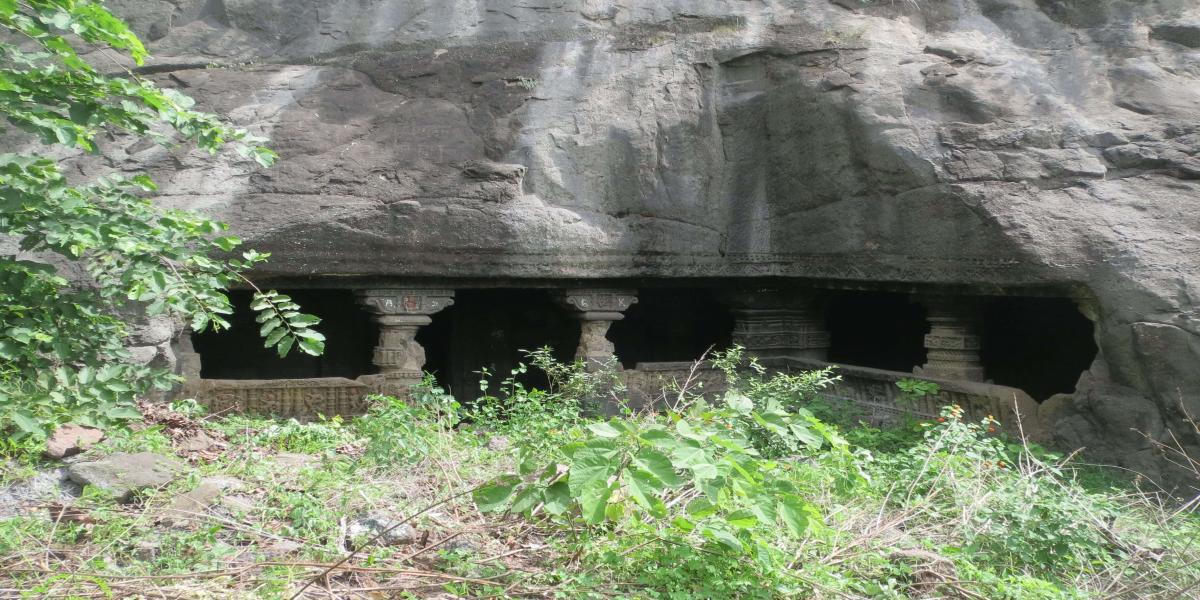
(405, 301)
(598, 304)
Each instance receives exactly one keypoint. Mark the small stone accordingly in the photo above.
(199, 441)
(370, 525)
(204, 495)
(293, 460)
(122, 474)
(146, 550)
(280, 547)
(498, 444)
(238, 503)
(70, 439)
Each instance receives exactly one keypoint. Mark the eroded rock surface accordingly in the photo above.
(976, 142)
(122, 474)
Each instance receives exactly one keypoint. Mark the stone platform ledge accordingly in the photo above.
(873, 391)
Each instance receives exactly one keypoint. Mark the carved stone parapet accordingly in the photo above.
(400, 313)
(596, 309)
(774, 325)
(952, 344)
(294, 398)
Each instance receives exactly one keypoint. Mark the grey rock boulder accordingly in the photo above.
(123, 474)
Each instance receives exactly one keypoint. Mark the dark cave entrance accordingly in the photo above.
(489, 329)
(881, 330)
(669, 325)
(238, 353)
(1040, 345)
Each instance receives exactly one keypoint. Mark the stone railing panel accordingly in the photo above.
(288, 398)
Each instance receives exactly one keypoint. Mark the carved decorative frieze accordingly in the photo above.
(952, 344)
(289, 398)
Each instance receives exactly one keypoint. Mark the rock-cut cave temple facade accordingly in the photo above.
(1002, 196)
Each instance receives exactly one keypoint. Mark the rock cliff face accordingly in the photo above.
(988, 143)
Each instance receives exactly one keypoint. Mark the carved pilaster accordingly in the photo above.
(596, 310)
(400, 313)
(952, 344)
(775, 325)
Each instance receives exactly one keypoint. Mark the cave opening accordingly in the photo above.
(490, 329)
(670, 325)
(881, 330)
(350, 335)
(1040, 345)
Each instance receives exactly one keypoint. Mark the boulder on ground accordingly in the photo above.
(122, 474)
(71, 439)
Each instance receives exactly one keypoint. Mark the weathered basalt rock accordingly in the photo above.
(123, 474)
(972, 142)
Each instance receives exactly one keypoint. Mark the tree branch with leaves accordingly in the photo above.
(62, 339)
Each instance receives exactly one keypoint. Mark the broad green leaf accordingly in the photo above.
(723, 537)
(557, 498)
(683, 524)
(797, 514)
(644, 488)
(739, 402)
(285, 346)
(701, 471)
(494, 496)
(526, 499)
(27, 423)
(741, 519)
(701, 507)
(659, 465)
(603, 430)
(312, 347)
(593, 501)
(687, 455)
(123, 412)
(591, 465)
(806, 436)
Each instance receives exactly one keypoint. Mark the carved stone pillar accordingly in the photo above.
(774, 325)
(596, 310)
(952, 343)
(400, 313)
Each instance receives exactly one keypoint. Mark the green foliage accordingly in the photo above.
(916, 388)
(403, 432)
(1019, 523)
(704, 473)
(61, 340)
(316, 437)
(539, 420)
